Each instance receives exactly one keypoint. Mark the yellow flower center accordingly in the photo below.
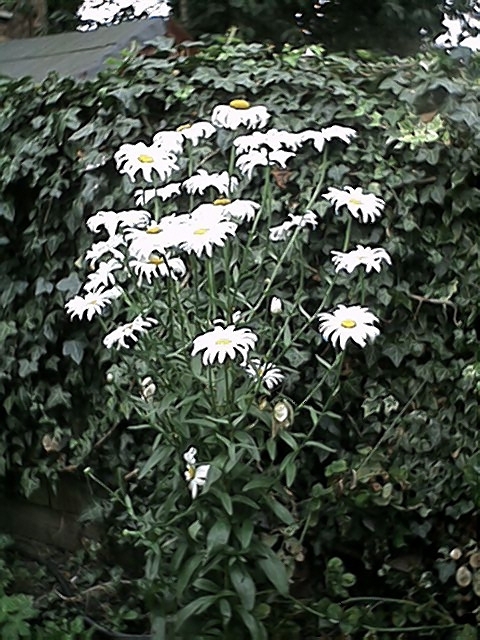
(154, 230)
(348, 324)
(200, 232)
(355, 201)
(239, 104)
(221, 202)
(223, 341)
(155, 260)
(93, 302)
(182, 127)
(146, 159)
(190, 472)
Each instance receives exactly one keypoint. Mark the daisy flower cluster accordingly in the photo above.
(188, 216)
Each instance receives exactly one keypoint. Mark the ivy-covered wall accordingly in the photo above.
(402, 489)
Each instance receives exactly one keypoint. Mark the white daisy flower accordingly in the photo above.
(110, 220)
(157, 266)
(316, 137)
(92, 303)
(170, 142)
(237, 210)
(99, 249)
(103, 276)
(250, 142)
(156, 238)
(238, 113)
(132, 158)
(283, 231)
(348, 323)
(220, 342)
(128, 331)
(336, 131)
(308, 217)
(279, 233)
(200, 235)
(143, 196)
(325, 135)
(222, 182)
(275, 139)
(369, 257)
(195, 475)
(247, 162)
(364, 206)
(267, 372)
(195, 132)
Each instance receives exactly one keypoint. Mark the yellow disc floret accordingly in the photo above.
(239, 104)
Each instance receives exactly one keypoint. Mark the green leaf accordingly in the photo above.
(218, 535)
(244, 533)
(243, 585)
(71, 285)
(274, 569)
(279, 510)
(186, 574)
(194, 608)
(7, 329)
(156, 459)
(226, 501)
(74, 349)
(256, 628)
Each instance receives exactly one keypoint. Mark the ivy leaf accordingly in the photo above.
(74, 349)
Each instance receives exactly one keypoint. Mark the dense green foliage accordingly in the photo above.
(391, 26)
(363, 522)
(30, 615)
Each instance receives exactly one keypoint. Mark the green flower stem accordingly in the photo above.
(338, 362)
(212, 291)
(392, 425)
(173, 284)
(271, 279)
(266, 198)
(319, 185)
(292, 238)
(346, 240)
(362, 287)
(302, 329)
(227, 257)
(194, 268)
(212, 389)
(322, 616)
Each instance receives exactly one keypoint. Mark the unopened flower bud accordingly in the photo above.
(456, 554)
(109, 377)
(276, 306)
(148, 389)
(463, 576)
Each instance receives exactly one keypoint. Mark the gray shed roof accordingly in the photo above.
(75, 54)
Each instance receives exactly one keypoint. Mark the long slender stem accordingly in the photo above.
(336, 363)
